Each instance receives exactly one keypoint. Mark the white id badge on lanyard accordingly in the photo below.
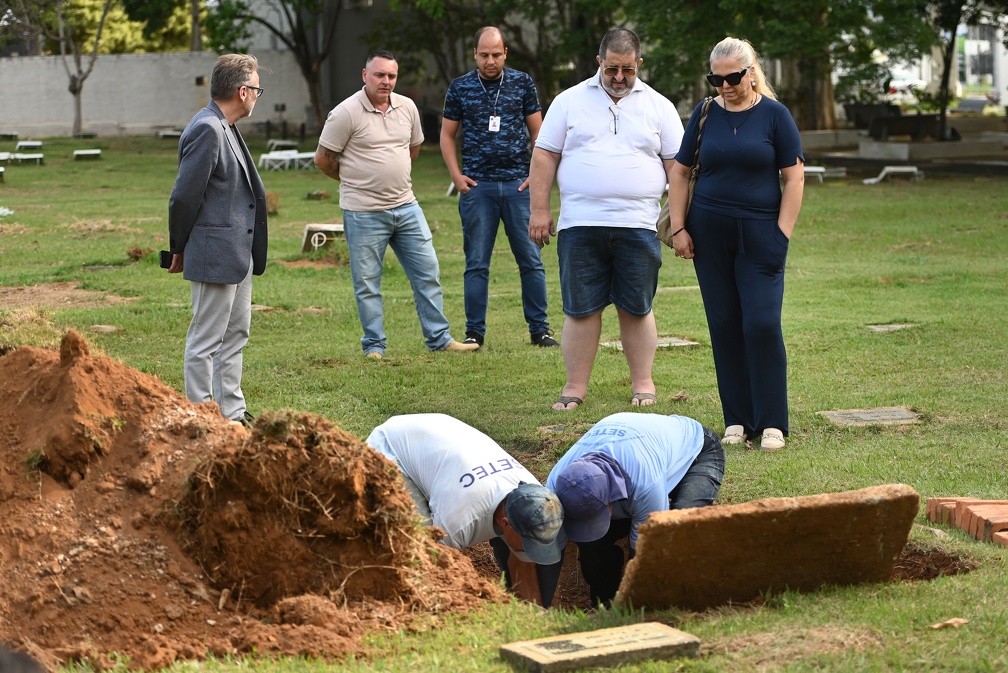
(494, 123)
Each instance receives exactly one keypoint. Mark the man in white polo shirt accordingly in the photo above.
(464, 483)
(368, 144)
(610, 143)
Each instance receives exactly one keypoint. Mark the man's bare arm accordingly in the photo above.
(328, 161)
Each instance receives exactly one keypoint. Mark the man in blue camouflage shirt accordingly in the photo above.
(499, 112)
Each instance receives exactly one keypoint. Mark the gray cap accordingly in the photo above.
(536, 515)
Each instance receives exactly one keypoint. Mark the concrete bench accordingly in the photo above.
(277, 144)
(2, 173)
(169, 133)
(37, 158)
(318, 235)
(816, 172)
(895, 170)
(28, 145)
(277, 161)
(6, 156)
(304, 160)
(9, 135)
(86, 154)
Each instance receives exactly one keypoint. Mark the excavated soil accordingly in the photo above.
(136, 524)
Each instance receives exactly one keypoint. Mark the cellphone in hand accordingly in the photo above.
(166, 259)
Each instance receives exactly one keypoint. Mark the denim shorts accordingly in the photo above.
(608, 265)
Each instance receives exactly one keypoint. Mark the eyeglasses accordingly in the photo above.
(733, 79)
(613, 70)
(614, 110)
(258, 89)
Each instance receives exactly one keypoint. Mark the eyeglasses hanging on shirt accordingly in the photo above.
(614, 124)
(494, 125)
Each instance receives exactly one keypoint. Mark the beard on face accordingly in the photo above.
(612, 91)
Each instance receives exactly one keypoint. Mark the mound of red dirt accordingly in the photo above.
(135, 524)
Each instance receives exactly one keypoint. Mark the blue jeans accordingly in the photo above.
(405, 229)
(481, 209)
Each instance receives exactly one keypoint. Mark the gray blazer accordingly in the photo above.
(217, 209)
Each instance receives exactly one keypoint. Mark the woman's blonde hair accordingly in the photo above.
(743, 52)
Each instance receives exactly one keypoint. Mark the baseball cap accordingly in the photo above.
(536, 515)
(583, 489)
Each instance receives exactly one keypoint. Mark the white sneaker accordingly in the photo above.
(773, 440)
(733, 434)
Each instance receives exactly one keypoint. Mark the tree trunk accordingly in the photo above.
(195, 34)
(78, 115)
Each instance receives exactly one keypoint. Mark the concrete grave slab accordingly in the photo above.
(708, 556)
(605, 647)
(877, 416)
(891, 326)
(320, 235)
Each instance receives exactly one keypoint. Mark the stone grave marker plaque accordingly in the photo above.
(877, 416)
(604, 647)
(891, 327)
(663, 342)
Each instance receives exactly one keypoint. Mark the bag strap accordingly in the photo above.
(699, 134)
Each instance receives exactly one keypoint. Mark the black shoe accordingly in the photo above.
(473, 338)
(247, 419)
(544, 340)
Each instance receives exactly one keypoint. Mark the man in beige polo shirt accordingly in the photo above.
(368, 144)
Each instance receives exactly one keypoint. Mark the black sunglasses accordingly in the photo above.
(732, 78)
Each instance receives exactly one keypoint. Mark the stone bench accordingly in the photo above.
(279, 160)
(21, 158)
(28, 145)
(816, 172)
(169, 133)
(277, 144)
(2, 173)
(86, 154)
(912, 171)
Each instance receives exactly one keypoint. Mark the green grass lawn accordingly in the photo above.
(928, 253)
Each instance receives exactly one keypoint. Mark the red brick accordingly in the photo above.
(963, 503)
(946, 513)
(974, 515)
(934, 511)
(993, 525)
(1000, 538)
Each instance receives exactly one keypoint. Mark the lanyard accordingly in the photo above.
(487, 94)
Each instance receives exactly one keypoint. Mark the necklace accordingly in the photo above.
(748, 112)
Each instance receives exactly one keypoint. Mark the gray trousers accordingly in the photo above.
(222, 315)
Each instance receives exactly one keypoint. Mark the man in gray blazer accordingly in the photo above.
(217, 235)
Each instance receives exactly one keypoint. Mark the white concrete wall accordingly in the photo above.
(131, 94)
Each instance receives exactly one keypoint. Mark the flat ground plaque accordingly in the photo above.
(605, 647)
(891, 327)
(877, 416)
(319, 235)
(663, 342)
